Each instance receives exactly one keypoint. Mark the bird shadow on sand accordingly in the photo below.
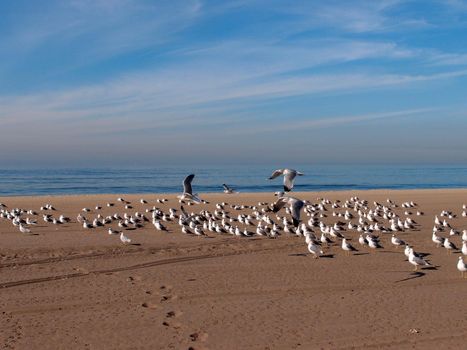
(416, 274)
(360, 254)
(326, 256)
(412, 276)
(136, 244)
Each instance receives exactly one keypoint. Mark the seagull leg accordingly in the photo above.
(416, 268)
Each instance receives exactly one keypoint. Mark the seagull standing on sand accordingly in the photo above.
(124, 239)
(296, 206)
(397, 241)
(464, 247)
(416, 260)
(289, 176)
(449, 246)
(314, 249)
(188, 190)
(24, 229)
(347, 246)
(462, 266)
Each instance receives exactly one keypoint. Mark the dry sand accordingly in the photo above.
(68, 288)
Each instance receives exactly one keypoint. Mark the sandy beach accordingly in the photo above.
(65, 287)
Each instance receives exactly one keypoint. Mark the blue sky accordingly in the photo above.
(123, 82)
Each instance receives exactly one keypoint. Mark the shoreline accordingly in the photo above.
(293, 193)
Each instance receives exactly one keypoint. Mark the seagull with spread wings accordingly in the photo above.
(289, 176)
(296, 206)
(188, 190)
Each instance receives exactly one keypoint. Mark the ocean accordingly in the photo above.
(246, 178)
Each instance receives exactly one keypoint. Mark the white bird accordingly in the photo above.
(325, 239)
(157, 224)
(449, 245)
(464, 247)
(314, 249)
(188, 191)
(397, 241)
(362, 240)
(289, 176)
(24, 229)
(296, 206)
(346, 246)
(416, 260)
(228, 190)
(113, 232)
(199, 231)
(437, 239)
(461, 266)
(124, 239)
(30, 221)
(373, 244)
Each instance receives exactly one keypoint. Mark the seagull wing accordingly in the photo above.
(297, 206)
(276, 173)
(227, 188)
(288, 180)
(187, 184)
(279, 204)
(420, 261)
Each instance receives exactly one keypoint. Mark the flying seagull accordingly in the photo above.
(228, 190)
(289, 176)
(296, 206)
(188, 190)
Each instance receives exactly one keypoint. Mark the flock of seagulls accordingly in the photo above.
(355, 217)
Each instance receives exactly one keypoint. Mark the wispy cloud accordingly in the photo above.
(104, 70)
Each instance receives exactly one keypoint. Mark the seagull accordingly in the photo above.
(157, 224)
(437, 239)
(416, 260)
(289, 176)
(461, 266)
(113, 232)
(124, 239)
(449, 245)
(314, 249)
(397, 241)
(464, 247)
(24, 229)
(362, 240)
(188, 191)
(347, 247)
(296, 206)
(228, 190)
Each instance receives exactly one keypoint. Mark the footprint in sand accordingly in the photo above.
(173, 314)
(149, 305)
(199, 336)
(172, 324)
(166, 294)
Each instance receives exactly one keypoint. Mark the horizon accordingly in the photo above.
(126, 83)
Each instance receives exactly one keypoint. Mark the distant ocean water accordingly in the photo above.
(243, 178)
